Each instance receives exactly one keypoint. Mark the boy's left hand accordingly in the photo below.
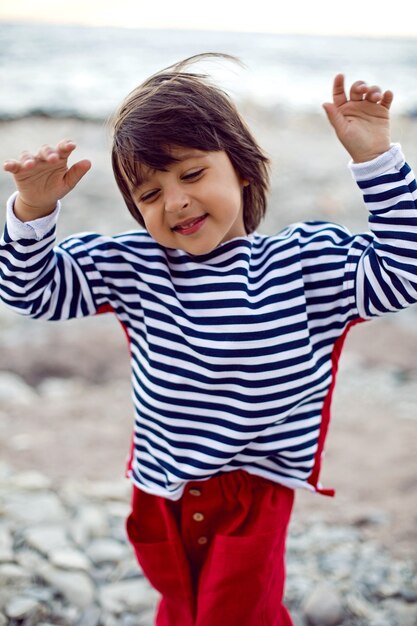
(362, 121)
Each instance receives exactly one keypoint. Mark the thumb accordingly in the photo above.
(76, 172)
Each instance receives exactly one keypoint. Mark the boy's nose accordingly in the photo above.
(176, 200)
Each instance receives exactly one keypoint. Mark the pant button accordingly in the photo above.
(198, 517)
(195, 492)
(202, 541)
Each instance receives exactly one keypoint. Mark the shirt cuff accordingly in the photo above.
(35, 229)
(392, 159)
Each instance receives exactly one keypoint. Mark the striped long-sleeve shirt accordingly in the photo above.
(233, 353)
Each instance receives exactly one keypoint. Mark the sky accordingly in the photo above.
(322, 17)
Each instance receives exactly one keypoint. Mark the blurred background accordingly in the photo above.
(64, 67)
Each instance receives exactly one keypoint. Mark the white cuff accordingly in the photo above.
(35, 229)
(392, 159)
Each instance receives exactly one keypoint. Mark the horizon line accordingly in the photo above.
(300, 33)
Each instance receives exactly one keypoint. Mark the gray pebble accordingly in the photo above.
(21, 607)
(89, 523)
(14, 390)
(34, 508)
(106, 550)
(47, 539)
(6, 545)
(31, 481)
(76, 587)
(13, 575)
(127, 595)
(90, 617)
(69, 558)
(323, 607)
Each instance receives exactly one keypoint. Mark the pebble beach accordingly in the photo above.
(66, 419)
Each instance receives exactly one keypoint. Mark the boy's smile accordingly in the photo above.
(195, 204)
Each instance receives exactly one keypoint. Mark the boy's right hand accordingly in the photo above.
(44, 178)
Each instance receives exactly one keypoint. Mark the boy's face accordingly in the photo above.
(195, 204)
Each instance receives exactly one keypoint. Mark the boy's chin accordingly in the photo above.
(198, 248)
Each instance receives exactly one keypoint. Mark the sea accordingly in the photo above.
(84, 72)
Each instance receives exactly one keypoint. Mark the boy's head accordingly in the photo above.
(176, 108)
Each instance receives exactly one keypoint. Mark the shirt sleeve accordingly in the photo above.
(366, 275)
(42, 280)
(386, 268)
(34, 229)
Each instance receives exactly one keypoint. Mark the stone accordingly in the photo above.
(13, 575)
(61, 388)
(90, 617)
(107, 491)
(380, 620)
(34, 508)
(14, 390)
(42, 594)
(323, 607)
(70, 614)
(106, 550)
(405, 615)
(21, 607)
(297, 618)
(118, 510)
(409, 595)
(29, 560)
(372, 518)
(110, 620)
(6, 471)
(358, 605)
(128, 619)
(69, 558)
(6, 545)
(128, 568)
(31, 481)
(47, 539)
(76, 587)
(129, 595)
(90, 522)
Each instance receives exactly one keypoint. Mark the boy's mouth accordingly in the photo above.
(191, 226)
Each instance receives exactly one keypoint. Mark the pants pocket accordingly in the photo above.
(158, 560)
(165, 567)
(257, 562)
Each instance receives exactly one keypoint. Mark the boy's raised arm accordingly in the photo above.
(44, 178)
(361, 121)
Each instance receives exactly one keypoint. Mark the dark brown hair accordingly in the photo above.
(175, 107)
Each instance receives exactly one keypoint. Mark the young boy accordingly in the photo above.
(234, 336)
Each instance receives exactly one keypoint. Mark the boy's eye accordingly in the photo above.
(192, 175)
(151, 195)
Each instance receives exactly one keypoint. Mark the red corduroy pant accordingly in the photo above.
(216, 555)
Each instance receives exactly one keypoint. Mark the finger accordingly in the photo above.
(357, 90)
(76, 172)
(62, 151)
(47, 153)
(339, 95)
(27, 159)
(373, 94)
(65, 147)
(12, 166)
(387, 98)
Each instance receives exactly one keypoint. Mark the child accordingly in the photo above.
(234, 336)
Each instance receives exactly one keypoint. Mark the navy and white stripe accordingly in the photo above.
(232, 351)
